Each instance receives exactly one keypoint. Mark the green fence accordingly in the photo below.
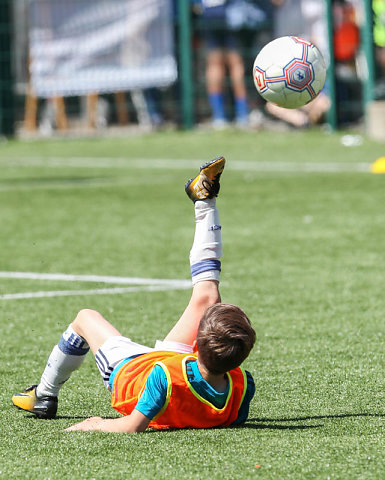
(184, 103)
(7, 107)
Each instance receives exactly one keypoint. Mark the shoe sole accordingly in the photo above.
(212, 162)
(42, 416)
(203, 167)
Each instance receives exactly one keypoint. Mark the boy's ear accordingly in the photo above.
(194, 346)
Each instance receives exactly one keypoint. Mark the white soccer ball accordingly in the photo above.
(289, 71)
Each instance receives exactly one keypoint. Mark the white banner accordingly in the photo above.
(79, 47)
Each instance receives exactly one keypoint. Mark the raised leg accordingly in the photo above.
(205, 252)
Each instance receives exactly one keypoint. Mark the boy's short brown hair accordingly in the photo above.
(224, 338)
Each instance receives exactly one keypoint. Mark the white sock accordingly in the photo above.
(65, 358)
(207, 246)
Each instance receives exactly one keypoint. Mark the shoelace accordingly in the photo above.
(211, 187)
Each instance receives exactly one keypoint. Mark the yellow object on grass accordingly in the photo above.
(378, 166)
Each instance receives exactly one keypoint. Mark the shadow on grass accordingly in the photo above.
(245, 425)
(318, 417)
(271, 423)
(255, 423)
(58, 417)
(272, 426)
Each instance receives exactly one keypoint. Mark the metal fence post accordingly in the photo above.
(6, 74)
(367, 48)
(331, 84)
(185, 63)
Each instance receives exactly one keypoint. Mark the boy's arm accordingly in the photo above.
(150, 402)
(135, 422)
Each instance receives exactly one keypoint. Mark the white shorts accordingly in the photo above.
(116, 349)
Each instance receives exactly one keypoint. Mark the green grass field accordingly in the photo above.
(304, 234)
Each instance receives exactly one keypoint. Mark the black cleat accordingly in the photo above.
(42, 407)
(206, 183)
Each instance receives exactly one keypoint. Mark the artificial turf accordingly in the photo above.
(303, 255)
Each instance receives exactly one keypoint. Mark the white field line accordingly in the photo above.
(122, 163)
(141, 284)
(64, 183)
(97, 291)
(183, 164)
(64, 277)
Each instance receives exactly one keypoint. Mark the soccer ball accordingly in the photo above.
(289, 71)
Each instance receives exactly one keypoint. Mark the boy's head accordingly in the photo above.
(224, 338)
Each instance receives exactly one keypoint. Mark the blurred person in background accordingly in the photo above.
(223, 24)
(379, 41)
(348, 68)
(306, 19)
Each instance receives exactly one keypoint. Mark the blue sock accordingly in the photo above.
(241, 108)
(65, 358)
(71, 343)
(217, 106)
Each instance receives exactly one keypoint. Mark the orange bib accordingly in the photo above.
(184, 407)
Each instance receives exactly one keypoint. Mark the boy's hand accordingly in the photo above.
(92, 423)
(135, 422)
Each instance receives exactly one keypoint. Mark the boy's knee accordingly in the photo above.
(206, 293)
(210, 298)
(84, 316)
(85, 313)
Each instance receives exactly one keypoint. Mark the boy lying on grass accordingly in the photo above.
(191, 379)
